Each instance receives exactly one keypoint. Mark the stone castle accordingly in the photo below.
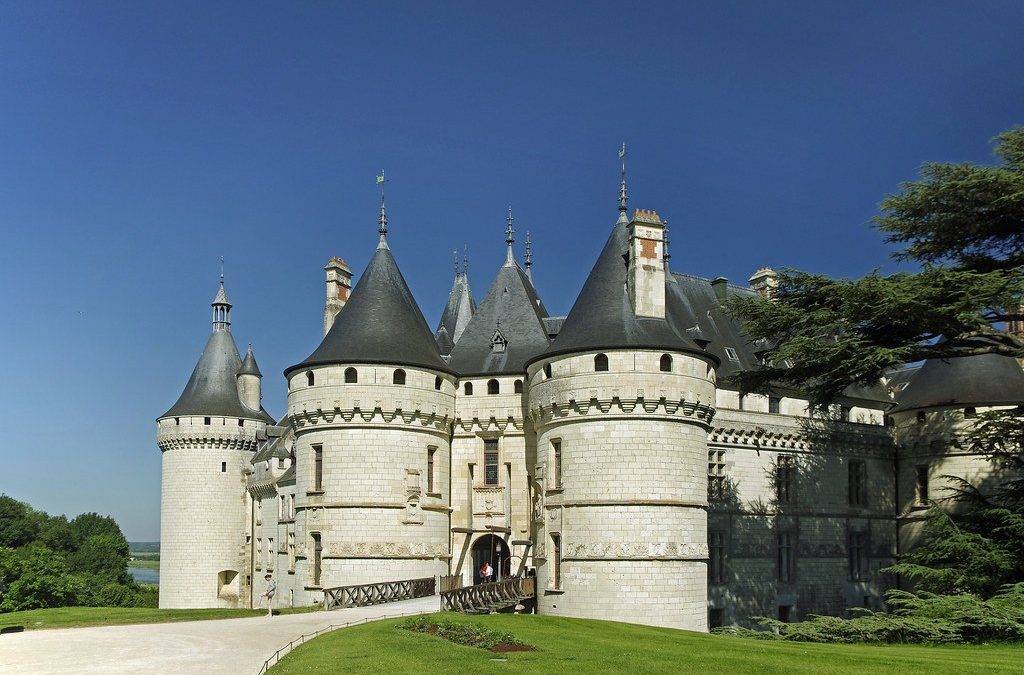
(602, 451)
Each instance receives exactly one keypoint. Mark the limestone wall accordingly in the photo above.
(203, 510)
(627, 507)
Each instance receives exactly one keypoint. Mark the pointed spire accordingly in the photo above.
(455, 259)
(622, 188)
(510, 260)
(221, 305)
(528, 258)
(249, 365)
(665, 254)
(465, 261)
(383, 228)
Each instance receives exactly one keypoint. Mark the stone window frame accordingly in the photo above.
(786, 540)
(857, 483)
(858, 553)
(492, 448)
(316, 559)
(774, 404)
(921, 479)
(717, 474)
(785, 479)
(718, 551)
(555, 459)
(317, 469)
(555, 578)
(432, 472)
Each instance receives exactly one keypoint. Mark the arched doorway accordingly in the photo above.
(491, 549)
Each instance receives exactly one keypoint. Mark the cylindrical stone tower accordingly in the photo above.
(207, 439)
(622, 403)
(372, 409)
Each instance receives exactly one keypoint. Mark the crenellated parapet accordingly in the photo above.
(174, 433)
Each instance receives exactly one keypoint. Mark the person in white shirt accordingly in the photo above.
(269, 593)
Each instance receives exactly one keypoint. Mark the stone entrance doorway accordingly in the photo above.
(491, 549)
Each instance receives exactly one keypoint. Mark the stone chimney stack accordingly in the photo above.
(645, 280)
(339, 285)
(765, 281)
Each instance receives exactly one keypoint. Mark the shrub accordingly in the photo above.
(467, 634)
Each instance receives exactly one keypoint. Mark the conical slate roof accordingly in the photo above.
(380, 323)
(459, 310)
(983, 380)
(603, 318)
(212, 389)
(249, 365)
(512, 315)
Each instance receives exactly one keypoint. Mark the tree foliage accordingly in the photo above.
(48, 561)
(965, 225)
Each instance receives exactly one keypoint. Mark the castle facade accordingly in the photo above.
(600, 451)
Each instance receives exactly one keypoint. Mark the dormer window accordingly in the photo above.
(498, 342)
(731, 354)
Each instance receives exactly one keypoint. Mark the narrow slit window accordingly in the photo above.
(318, 467)
(310, 379)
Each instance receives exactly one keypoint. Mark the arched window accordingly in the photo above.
(601, 362)
(970, 412)
(666, 363)
(920, 417)
(309, 379)
(437, 383)
(547, 370)
(468, 388)
(351, 376)
(399, 377)
(518, 387)
(492, 386)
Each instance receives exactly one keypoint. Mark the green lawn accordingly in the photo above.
(583, 646)
(75, 617)
(145, 564)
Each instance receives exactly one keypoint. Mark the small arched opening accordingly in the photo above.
(547, 371)
(666, 363)
(398, 377)
(309, 378)
(468, 388)
(517, 387)
(351, 376)
(437, 383)
(601, 363)
(492, 387)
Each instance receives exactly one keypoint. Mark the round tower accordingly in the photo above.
(622, 403)
(207, 439)
(372, 409)
(936, 404)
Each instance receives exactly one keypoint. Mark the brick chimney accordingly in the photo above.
(645, 280)
(339, 284)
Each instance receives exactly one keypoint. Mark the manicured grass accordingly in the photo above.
(145, 564)
(75, 617)
(583, 646)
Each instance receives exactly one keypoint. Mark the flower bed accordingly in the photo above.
(466, 634)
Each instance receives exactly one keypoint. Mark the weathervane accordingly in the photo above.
(383, 229)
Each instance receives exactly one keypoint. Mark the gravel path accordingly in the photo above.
(225, 646)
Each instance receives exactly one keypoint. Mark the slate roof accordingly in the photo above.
(249, 365)
(212, 388)
(602, 316)
(983, 380)
(457, 312)
(513, 309)
(380, 323)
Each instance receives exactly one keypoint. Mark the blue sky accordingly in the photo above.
(139, 142)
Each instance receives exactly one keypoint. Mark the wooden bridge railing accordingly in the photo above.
(376, 594)
(502, 593)
(450, 582)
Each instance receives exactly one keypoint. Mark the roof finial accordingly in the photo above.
(383, 229)
(622, 187)
(222, 269)
(465, 260)
(455, 258)
(509, 258)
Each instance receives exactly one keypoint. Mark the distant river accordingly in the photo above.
(145, 576)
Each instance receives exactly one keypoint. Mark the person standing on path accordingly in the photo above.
(269, 593)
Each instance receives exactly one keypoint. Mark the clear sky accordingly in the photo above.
(139, 142)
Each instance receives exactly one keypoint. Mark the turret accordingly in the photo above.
(249, 382)
(206, 440)
(371, 409)
(646, 276)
